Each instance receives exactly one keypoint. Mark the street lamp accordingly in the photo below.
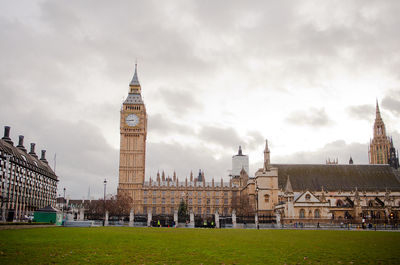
(105, 185)
(257, 205)
(64, 200)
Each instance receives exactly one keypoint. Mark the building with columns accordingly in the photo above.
(27, 182)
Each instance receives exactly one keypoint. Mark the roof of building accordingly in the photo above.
(48, 209)
(133, 99)
(135, 79)
(338, 177)
(27, 160)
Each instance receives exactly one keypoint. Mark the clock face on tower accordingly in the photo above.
(132, 120)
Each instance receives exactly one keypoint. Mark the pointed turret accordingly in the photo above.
(380, 144)
(267, 161)
(378, 112)
(240, 151)
(351, 161)
(134, 85)
(135, 79)
(288, 187)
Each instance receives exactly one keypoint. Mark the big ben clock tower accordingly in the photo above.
(133, 131)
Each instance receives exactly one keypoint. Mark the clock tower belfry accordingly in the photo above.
(132, 154)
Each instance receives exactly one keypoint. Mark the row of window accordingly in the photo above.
(190, 193)
(302, 213)
(190, 201)
(200, 210)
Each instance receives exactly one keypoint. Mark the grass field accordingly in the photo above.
(112, 245)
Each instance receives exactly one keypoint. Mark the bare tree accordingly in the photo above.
(241, 204)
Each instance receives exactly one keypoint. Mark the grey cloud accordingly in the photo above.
(84, 158)
(362, 112)
(179, 101)
(337, 149)
(225, 137)
(229, 138)
(183, 159)
(392, 104)
(313, 117)
(162, 124)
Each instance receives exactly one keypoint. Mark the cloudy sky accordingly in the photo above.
(215, 75)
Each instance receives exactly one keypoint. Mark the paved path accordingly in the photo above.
(5, 227)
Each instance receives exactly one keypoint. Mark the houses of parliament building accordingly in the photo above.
(289, 192)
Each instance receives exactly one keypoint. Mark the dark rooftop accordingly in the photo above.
(338, 177)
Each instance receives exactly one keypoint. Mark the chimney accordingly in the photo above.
(43, 157)
(6, 136)
(32, 152)
(21, 143)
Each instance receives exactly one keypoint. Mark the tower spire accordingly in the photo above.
(134, 84)
(267, 162)
(378, 112)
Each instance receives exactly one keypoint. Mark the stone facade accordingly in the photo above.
(381, 149)
(287, 193)
(162, 195)
(27, 181)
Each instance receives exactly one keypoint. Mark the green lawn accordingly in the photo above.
(196, 246)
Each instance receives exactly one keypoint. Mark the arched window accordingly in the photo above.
(339, 203)
(371, 204)
(308, 197)
(316, 214)
(266, 198)
(302, 213)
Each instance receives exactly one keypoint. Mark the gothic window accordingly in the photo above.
(172, 210)
(308, 197)
(208, 193)
(208, 201)
(199, 193)
(199, 201)
(144, 200)
(217, 201)
(302, 213)
(190, 201)
(163, 210)
(226, 194)
(154, 210)
(172, 193)
(144, 209)
(154, 200)
(225, 211)
(339, 203)
(370, 204)
(266, 198)
(208, 210)
(225, 201)
(216, 193)
(172, 200)
(163, 200)
(163, 193)
(145, 192)
(198, 210)
(316, 214)
(154, 193)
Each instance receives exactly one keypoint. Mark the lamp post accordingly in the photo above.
(64, 202)
(105, 186)
(257, 205)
